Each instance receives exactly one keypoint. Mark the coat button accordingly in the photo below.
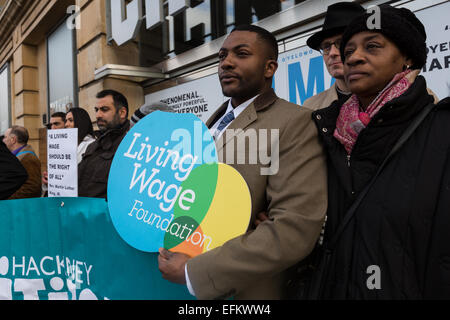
(324, 130)
(318, 117)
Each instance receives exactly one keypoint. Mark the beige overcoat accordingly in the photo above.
(252, 266)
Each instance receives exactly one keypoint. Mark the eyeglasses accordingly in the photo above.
(325, 47)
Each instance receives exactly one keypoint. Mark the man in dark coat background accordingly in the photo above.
(16, 140)
(12, 173)
(111, 111)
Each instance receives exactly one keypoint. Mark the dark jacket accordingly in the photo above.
(12, 173)
(403, 224)
(93, 170)
(32, 188)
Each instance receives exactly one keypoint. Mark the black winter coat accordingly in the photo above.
(12, 173)
(402, 226)
(93, 170)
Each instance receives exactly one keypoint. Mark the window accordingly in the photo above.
(5, 108)
(62, 74)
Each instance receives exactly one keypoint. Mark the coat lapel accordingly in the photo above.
(220, 111)
(246, 118)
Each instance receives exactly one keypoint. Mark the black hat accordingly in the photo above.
(399, 25)
(337, 18)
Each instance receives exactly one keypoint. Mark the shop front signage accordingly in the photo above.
(126, 18)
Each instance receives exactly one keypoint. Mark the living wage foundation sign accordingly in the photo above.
(167, 189)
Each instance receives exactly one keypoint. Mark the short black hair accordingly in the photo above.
(118, 98)
(21, 133)
(61, 115)
(264, 35)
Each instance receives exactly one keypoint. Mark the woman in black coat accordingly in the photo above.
(397, 243)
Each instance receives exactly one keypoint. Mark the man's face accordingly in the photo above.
(56, 123)
(244, 66)
(106, 114)
(332, 59)
(8, 140)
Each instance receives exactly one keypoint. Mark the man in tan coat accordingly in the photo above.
(328, 41)
(16, 139)
(291, 187)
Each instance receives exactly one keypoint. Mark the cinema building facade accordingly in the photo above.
(55, 54)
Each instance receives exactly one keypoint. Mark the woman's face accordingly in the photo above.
(70, 124)
(371, 61)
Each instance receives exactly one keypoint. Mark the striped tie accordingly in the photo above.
(225, 121)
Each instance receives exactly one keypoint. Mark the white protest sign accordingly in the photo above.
(62, 163)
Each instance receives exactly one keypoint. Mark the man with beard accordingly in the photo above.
(111, 112)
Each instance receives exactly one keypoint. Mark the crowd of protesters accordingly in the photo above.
(364, 178)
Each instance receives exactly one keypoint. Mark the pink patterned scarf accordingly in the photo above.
(352, 121)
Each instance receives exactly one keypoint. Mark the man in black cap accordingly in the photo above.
(327, 41)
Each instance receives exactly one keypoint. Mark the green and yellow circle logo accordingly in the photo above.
(167, 189)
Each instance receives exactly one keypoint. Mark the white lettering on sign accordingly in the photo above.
(62, 163)
(176, 6)
(27, 277)
(154, 13)
(124, 29)
(126, 18)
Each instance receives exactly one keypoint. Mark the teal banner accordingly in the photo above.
(68, 249)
